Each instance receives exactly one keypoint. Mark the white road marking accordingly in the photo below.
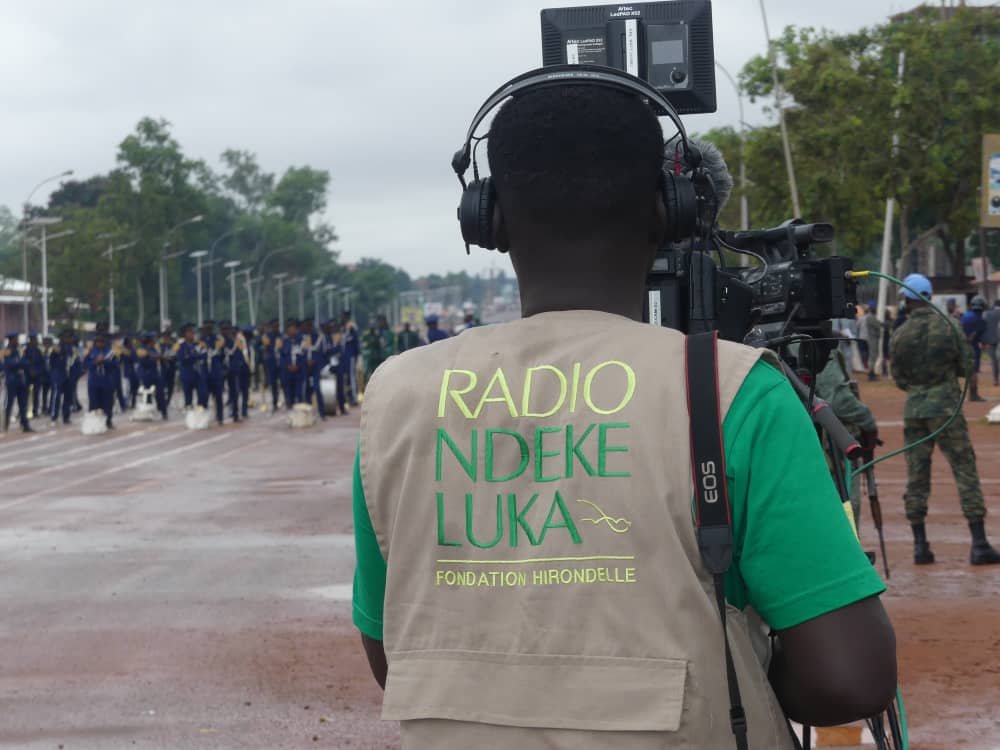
(98, 457)
(91, 445)
(117, 469)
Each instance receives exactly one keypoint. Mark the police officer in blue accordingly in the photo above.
(65, 369)
(102, 373)
(269, 359)
(250, 373)
(338, 363)
(46, 385)
(168, 364)
(236, 368)
(191, 358)
(15, 375)
(433, 332)
(35, 361)
(216, 367)
(352, 350)
(149, 371)
(291, 364)
(317, 358)
(128, 358)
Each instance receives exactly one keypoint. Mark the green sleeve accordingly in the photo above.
(369, 574)
(795, 554)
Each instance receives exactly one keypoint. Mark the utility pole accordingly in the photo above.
(778, 95)
(198, 255)
(890, 207)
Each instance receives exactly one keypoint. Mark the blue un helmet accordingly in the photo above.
(918, 283)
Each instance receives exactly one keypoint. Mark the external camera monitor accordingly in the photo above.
(669, 44)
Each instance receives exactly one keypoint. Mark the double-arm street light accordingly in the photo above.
(44, 222)
(231, 265)
(163, 265)
(317, 283)
(211, 268)
(24, 237)
(110, 255)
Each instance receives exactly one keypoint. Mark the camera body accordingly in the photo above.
(794, 292)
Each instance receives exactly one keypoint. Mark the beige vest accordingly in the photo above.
(530, 487)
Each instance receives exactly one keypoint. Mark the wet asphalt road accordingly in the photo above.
(166, 588)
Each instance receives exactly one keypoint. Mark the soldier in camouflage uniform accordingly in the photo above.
(835, 386)
(929, 354)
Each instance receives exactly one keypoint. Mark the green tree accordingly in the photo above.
(842, 119)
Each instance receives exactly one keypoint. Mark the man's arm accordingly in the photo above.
(838, 667)
(801, 564)
(375, 652)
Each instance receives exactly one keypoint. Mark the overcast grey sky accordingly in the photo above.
(379, 93)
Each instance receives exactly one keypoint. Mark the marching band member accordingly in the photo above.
(14, 367)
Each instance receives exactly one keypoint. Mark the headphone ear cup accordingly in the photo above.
(475, 214)
(682, 206)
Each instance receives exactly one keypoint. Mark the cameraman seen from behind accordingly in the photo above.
(527, 570)
(928, 358)
(974, 327)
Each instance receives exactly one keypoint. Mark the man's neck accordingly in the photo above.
(603, 288)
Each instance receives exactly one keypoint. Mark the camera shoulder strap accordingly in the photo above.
(708, 471)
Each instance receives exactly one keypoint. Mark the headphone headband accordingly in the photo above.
(562, 75)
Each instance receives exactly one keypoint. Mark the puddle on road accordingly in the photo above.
(340, 592)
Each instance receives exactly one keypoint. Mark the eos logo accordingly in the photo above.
(709, 482)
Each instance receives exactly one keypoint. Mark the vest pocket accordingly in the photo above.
(529, 690)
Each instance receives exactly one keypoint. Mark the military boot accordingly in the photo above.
(974, 389)
(982, 553)
(922, 554)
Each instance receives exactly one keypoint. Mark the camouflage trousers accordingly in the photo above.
(957, 448)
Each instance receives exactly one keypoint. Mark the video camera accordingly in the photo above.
(670, 45)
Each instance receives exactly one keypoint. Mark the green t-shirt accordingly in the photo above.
(795, 554)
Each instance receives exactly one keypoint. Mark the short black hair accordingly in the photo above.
(576, 161)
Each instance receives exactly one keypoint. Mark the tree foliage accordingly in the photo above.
(842, 104)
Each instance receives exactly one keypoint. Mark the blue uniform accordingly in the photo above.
(65, 369)
(216, 372)
(319, 358)
(435, 334)
(352, 350)
(102, 374)
(974, 328)
(128, 362)
(191, 358)
(237, 370)
(292, 368)
(149, 374)
(269, 359)
(15, 374)
(36, 368)
(168, 369)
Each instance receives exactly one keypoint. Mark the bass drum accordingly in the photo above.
(328, 387)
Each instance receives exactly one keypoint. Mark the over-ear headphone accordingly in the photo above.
(476, 208)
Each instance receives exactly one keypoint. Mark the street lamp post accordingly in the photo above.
(744, 207)
(45, 222)
(778, 100)
(280, 278)
(317, 283)
(231, 265)
(163, 266)
(110, 255)
(211, 270)
(24, 237)
(198, 255)
(330, 289)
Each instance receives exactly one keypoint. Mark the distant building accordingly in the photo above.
(13, 294)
